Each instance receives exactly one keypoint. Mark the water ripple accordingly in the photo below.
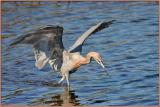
(129, 49)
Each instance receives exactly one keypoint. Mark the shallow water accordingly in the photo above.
(129, 48)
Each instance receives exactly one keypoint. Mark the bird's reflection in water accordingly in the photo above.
(67, 98)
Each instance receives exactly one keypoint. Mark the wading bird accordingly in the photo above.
(48, 48)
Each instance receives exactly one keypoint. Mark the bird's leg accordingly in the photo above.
(67, 78)
(63, 77)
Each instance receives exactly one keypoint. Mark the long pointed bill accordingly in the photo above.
(101, 63)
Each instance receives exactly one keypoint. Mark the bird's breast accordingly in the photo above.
(71, 61)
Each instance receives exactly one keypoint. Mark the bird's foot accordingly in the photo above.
(68, 88)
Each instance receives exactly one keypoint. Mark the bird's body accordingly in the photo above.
(71, 61)
(48, 48)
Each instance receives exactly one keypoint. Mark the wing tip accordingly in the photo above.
(50, 27)
(15, 41)
(109, 22)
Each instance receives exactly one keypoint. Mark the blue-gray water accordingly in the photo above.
(129, 48)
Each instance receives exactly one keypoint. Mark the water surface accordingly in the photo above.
(129, 49)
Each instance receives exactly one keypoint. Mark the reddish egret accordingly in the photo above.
(48, 48)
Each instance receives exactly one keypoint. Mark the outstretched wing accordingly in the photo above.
(47, 45)
(77, 46)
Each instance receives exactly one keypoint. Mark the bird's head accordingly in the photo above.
(96, 56)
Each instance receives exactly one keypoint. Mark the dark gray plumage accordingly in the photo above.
(46, 42)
